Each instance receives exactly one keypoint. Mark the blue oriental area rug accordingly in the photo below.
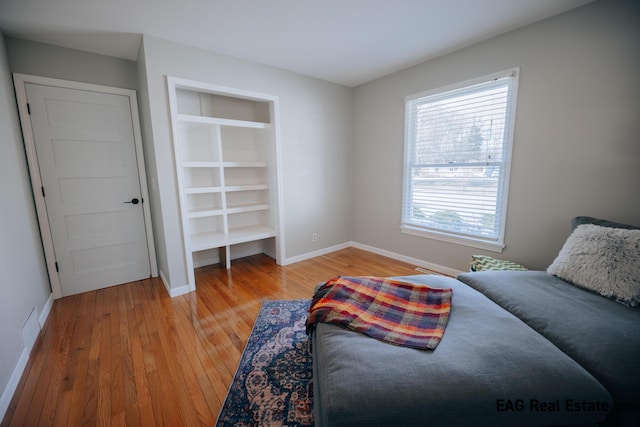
(273, 384)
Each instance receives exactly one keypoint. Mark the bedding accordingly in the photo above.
(520, 348)
(600, 334)
(392, 311)
(490, 368)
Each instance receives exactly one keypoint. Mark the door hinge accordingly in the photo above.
(42, 191)
(28, 108)
(57, 269)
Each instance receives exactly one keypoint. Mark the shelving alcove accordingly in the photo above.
(227, 158)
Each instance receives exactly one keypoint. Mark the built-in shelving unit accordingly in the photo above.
(226, 151)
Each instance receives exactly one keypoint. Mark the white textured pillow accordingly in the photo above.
(603, 259)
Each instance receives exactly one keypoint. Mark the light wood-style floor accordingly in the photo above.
(130, 355)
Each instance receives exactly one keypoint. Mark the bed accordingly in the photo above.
(521, 348)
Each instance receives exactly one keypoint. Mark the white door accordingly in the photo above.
(86, 155)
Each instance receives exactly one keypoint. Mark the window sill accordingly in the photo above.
(450, 238)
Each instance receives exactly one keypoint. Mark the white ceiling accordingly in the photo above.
(343, 41)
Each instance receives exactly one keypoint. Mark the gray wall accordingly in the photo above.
(576, 146)
(316, 137)
(24, 284)
(46, 60)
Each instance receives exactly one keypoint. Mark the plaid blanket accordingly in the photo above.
(392, 311)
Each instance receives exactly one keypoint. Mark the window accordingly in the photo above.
(457, 154)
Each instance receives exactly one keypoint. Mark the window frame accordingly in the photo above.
(496, 244)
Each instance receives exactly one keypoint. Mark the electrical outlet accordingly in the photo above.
(314, 237)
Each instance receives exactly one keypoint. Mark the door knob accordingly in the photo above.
(134, 201)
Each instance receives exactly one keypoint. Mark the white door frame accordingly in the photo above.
(20, 81)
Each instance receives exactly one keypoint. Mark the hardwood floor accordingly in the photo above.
(130, 355)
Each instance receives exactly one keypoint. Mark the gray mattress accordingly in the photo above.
(489, 369)
(600, 334)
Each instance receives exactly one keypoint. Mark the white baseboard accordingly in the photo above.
(46, 309)
(314, 254)
(176, 292)
(18, 370)
(12, 385)
(409, 260)
(173, 292)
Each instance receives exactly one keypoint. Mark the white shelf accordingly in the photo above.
(188, 118)
(244, 164)
(225, 145)
(192, 164)
(212, 240)
(247, 208)
(201, 213)
(249, 233)
(249, 187)
(235, 209)
(229, 188)
(202, 190)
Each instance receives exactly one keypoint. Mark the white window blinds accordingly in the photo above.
(457, 154)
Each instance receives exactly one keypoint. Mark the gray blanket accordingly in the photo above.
(489, 369)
